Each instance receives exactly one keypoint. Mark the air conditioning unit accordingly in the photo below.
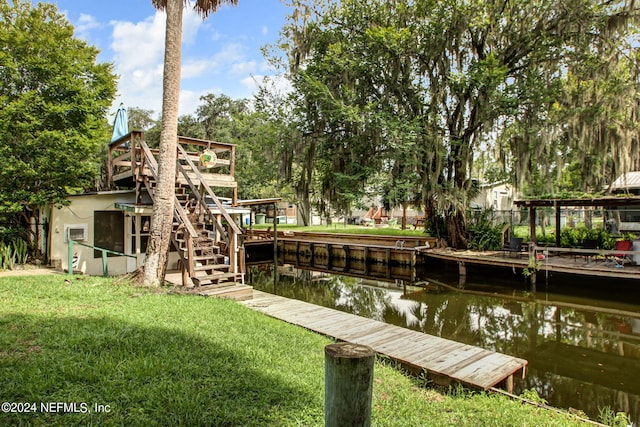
(76, 232)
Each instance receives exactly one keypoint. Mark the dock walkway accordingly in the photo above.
(443, 360)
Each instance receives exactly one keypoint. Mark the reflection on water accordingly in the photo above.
(583, 353)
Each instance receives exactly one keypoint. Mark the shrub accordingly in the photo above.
(15, 253)
(483, 235)
(20, 251)
(7, 258)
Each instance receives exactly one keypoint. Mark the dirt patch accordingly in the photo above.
(28, 270)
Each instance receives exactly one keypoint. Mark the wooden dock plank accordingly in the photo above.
(469, 365)
(485, 370)
(346, 329)
(327, 321)
(428, 350)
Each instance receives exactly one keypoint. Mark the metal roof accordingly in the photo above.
(627, 181)
(596, 201)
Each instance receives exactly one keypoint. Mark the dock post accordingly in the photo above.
(509, 384)
(366, 260)
(346, 257)
(348, 384)
(462, 271)
(533, 279)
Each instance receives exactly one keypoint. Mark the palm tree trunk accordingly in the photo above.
(163, 206)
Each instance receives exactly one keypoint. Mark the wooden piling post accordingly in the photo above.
(462, 274)
(366, 260)
(347, 257)
(348, 384)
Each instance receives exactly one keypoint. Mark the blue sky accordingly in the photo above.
(221, 54)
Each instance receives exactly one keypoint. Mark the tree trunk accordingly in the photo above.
(305, 208)
(457, 230)
(163, 206)
(404, 215)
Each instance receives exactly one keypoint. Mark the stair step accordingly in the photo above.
(211, 267)
(217, 286)
(227, 290)
(199, 242)
(213, 278)
(215, 257)
(209, 252)
(200, 239)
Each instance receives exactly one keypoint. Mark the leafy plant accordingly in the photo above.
(7, 259)
(534, 266)
(483, 235)
(532, 395)
(613, 419)
(574, 237)
(20, 251)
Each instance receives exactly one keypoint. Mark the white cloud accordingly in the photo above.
(230, 53)
(138, 50)
(138, 53)
(190, 99)
(138, 45)
(196, 68)
(85, 24)
(276, 84)
(191, 23)
(265, 30)
(243, 68)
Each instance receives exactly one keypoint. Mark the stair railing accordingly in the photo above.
(179, 212)
(202, 204)
(208, 190)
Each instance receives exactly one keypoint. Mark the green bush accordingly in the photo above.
(483, 235)
(14, 253)
(574, 237)
(20, 251)
(7, 257)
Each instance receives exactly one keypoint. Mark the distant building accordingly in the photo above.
(497, 196)
(625, 218)
(627, 183)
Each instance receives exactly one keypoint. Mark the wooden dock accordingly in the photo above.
(561, 260)
(443, 361)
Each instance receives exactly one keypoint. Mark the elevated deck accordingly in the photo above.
(443, 360)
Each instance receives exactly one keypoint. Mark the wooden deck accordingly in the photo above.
(443, 360)
(570, 261)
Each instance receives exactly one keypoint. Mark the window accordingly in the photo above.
(145, 225)
(108, 232)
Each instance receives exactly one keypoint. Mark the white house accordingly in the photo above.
(496, 195)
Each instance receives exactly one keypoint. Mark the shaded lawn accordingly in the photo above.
(157, 358)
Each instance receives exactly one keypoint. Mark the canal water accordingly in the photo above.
(582, 339)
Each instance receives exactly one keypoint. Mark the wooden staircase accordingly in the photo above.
(205, 237)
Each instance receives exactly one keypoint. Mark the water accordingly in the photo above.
(582, 340)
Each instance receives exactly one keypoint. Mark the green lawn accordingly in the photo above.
(163, 358)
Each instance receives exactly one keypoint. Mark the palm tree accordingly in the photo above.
(162, 218)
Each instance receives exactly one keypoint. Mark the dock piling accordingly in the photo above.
(348, 384)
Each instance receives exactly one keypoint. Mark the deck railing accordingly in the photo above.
(105, 266)
(131, 158)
